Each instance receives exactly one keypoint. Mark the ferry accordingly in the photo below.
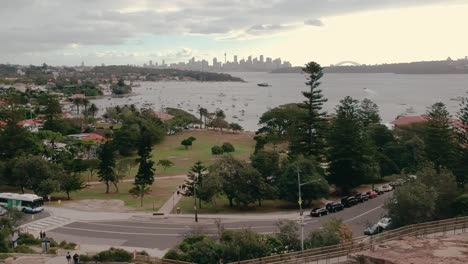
(263, 84)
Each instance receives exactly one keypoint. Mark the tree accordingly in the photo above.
(106, 170)
(77, 102)
(411, 204)
(93, 110)
(188, 142)
(139, 191)
(228, 147)
(235, 127)
(350, 153)
(165, 164)
(369, 113)
(47, 187)
(439, 139)
(203, 115)
(28, 172)
(462, 128)
(288, 235)
(279, 124)
(85, 102)
(217, 150)
(91, 165)
(146, 171)
(266, 162)
(195, 181)
(309, 172)
(16, 141)
(53, 108)
(310, 137)
(241, 183)
(445, 185)
(70, 182)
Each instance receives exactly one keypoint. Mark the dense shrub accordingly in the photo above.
(228, 147)
(217, 150)
(24, 249)
(460, 205)
(28, 239)
(113, 254)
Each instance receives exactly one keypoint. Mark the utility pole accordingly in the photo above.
(301, 213)
(195, 198)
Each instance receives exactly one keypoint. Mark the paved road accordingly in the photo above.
(163, 233)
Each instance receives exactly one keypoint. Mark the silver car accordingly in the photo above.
(378, 228)
(3, 211)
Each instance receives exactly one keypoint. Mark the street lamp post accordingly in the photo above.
(301, 213)
(195, 198)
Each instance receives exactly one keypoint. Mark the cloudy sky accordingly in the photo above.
(66, 32)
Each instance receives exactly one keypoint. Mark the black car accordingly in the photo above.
(317, 212)
(349, 201)
(334, 207)
(361, 197)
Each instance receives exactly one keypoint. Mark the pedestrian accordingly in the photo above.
(44, 234)
(76, 259)
(68, 257)
(41, 235)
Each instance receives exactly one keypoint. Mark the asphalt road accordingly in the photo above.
(166, 233)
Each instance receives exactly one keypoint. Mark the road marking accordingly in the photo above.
(175, 228)
(137, 227)
(356, 217)
(116, 232)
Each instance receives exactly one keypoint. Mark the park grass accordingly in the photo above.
(183, 159)
(221, 205)
(161, 191)
(171, 149)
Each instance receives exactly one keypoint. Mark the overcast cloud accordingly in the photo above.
(35, 26)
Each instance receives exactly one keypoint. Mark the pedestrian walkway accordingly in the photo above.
(169, 206)
(45, 224)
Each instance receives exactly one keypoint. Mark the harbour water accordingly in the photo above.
(244, 103)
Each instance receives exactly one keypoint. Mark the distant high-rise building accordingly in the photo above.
(151, 63)
(215, 62)
(261, 58)
(235, 59)
(82, 64)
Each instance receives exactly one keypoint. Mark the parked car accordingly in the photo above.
(379, 227)
(334, 207)
(349, 201)
(372, 194)
(397, 183)
(379, 191)
(387, 188)
(361, 197)
(317, 212)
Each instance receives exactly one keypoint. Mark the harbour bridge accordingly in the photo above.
(341, 63)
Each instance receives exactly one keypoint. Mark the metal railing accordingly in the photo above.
(340, 252)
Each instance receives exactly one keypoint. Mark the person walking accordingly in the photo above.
(68, 256)
(76, 259)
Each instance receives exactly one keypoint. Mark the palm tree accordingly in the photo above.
(203, 114)
(77, 102)
(93, 109)
(85, 103)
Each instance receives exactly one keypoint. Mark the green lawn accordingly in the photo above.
(183, 159)
(161, 192)
(221, 205)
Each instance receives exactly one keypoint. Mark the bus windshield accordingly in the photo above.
(37, 203)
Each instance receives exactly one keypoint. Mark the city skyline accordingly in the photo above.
(260, 63)
(134, 32)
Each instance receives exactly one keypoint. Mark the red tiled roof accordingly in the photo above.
(2, 123)
(408, 120)
(94, 137)
(30, 122)
(76, 96)
(3, 102)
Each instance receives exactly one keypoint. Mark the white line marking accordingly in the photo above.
(173, 228)
(114, 232)
(351, 219)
